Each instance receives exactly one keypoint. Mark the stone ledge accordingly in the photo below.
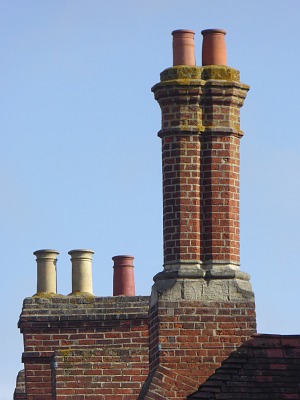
(197, 270)
(215, 290)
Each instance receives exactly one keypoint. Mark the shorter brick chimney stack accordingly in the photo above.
(46, 271)
(183, 47)
(81, 271)
(123, 280)
(213, 47)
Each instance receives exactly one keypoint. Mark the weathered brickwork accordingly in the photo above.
(221, 102)
(220, 199)
(200, 162)
(181, 124)
(265, 367)
(181, 197)
(108, 373)
(69, 339)
(189, 340)
(19, 393)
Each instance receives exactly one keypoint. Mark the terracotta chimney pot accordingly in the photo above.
(183, 47)
(123, 280)
(213, 47)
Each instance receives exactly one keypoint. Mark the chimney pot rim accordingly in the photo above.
(41, 251)
(211, 31)
(122, 256)
(80, 251)
(176, 31)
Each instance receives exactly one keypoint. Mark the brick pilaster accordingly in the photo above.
(181, 198)
(221, 102)
(181, 147)
(179, 95)
(200, 164)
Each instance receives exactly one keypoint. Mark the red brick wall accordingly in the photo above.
(189, 340)
(19, 393)
(181, 197)
(222, 98)
(106, 372)
(181, 168)
(37, 375)
(220, 199)
(87, 334)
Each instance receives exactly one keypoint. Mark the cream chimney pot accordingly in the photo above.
(81, 270)
(46, 270)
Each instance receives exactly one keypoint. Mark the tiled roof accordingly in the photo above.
(264, 367)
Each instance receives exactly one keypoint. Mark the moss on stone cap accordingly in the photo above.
(220, 72)
(47, 295)
(217, 72)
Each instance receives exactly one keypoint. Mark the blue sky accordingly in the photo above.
(80, 159)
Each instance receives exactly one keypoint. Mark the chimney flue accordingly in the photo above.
(81, 271)
(213, 47)
(123, 280)
(183, 47)
(46, 270)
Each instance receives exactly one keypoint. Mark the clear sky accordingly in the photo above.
(80, 162)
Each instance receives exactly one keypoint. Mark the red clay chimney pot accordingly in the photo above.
(183, 47)
(213, 47)
(123, 280)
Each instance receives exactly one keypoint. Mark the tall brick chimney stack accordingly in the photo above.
(202, 305)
